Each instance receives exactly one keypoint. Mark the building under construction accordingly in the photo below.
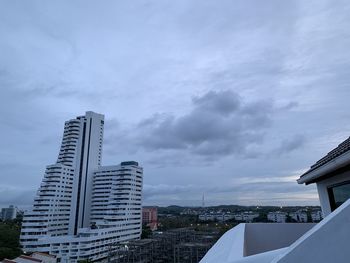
(183, 245)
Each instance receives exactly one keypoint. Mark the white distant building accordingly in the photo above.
(81, 207)
(220, 217)
(327, 241)
(316, 216)
(277, 217)
(246, 216)
(299, 216)
(8, 213)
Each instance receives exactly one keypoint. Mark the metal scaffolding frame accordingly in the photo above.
(183, 245)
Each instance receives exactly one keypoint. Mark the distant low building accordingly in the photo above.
(277, 217)
(299, 216)
(220, 217)
(8, 213)
(223, 217)
(316, 216)
(150, 217)
(189, 211)
(246, 216)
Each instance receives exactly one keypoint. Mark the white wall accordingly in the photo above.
(262, 237)
(228, 248)
(322, 190)
(327, 242)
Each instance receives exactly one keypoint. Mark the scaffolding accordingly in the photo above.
(135, 251)
(190, 252)
(184, 245)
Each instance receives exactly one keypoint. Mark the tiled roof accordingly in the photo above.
(342, 148)
(30, 258)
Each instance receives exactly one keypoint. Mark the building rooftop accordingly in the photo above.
(129, 163)
(337, 158)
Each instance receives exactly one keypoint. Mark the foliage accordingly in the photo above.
(261, 218)
(167, 223)
(9, 239)
(146, 232)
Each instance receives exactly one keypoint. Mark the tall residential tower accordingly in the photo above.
(81, 207)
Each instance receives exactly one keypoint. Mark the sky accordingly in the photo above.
(232, 100)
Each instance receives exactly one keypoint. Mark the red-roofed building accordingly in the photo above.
(150, 217)
(36, 257)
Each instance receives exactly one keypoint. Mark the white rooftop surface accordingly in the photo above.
(328, 241)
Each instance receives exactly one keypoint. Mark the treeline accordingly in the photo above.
(9, 239)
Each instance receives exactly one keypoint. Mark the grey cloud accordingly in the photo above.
(290, 105)
(16, 196)
(224, 102)
(290, 144)
(219, 123)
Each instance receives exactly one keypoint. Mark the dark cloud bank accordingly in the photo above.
(219, 123)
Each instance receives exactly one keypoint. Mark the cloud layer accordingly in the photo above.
(202, 94)
(219, 123)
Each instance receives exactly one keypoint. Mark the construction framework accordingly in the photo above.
(184, 245)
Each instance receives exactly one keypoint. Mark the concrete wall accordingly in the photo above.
(245, 241)
(322, 190)
(327, 242)
(262, 237)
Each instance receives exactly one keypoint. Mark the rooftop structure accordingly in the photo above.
(324, 242)
(34, 258)
(82, 207)
(330, 157)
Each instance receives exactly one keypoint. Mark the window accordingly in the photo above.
(338, 194)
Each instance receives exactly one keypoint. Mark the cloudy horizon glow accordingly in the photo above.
(230, 99)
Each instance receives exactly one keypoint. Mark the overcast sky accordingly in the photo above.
(230, 99)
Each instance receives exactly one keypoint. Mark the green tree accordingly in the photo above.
(146, 232)
(9, 240)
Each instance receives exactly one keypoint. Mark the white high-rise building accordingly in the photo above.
(82, 208)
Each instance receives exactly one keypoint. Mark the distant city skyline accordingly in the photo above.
(233, 99)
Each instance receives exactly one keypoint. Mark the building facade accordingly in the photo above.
(277, 217)
(247, 216)
(150, 217)
(299, 216)
(81, 207)
(8, 213)
(316, 216)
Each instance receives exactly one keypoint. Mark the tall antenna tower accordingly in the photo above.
(203, 204)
